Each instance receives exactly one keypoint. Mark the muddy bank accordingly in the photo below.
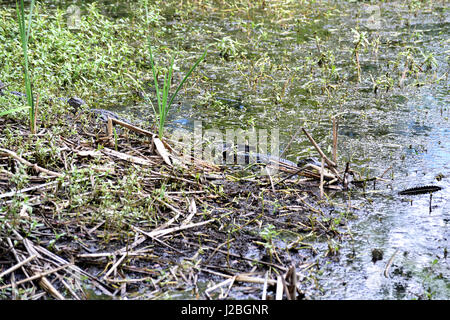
(116, 221)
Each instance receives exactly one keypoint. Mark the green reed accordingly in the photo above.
(164, 102)
(24, 37)
(162, 96)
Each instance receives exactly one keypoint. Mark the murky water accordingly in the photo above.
(416, 143)
(277, 81)
(393, 222)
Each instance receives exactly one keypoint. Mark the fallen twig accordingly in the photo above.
(38, 275)
(388, 265)
(329, 162)
(164, 232)
(335, 138)
(322, 169)
(266, 278)
(17, 266)
(29, 164)
(279, 291)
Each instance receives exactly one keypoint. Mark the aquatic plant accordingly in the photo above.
(269, 233)
(11, 111)
(24, 36)
(429, 60)
(164, 102)
(230, 49)
(360, 40)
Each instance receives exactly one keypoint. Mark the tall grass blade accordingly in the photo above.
(164, 106)
(187, 75)
(24, 37)
(155, 77)
(4, 113)
(30, 17)
(164, 103)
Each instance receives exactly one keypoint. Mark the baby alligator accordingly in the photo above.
(249, 157)
(245, 156)
(269, 159)
(103, 114)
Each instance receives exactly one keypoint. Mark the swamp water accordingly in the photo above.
(267, 60)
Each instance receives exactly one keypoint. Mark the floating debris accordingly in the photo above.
(419, 190)
(377, 254)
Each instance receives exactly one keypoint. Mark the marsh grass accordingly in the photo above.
(162, 96)
(11, 111)
(164, 102)
(24, 37)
